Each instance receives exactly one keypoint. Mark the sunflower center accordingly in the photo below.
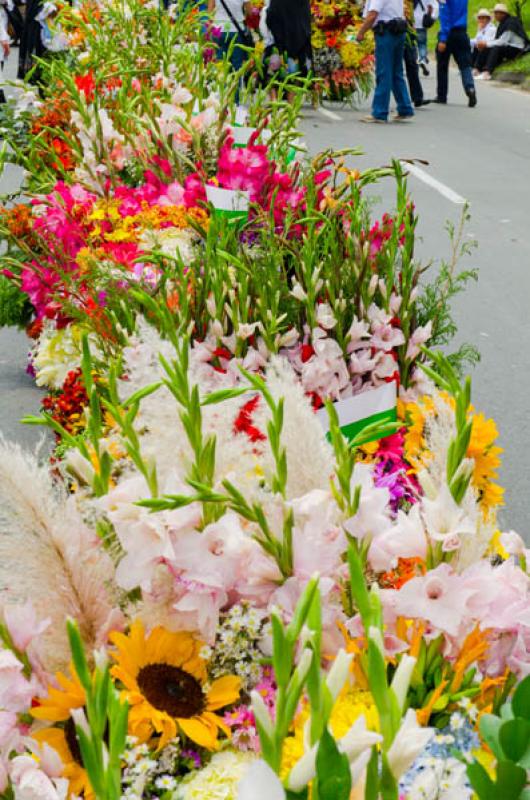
(71, 741)
(171, 689)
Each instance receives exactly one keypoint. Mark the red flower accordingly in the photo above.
(243, 422)
(307, 352)
(86, 85)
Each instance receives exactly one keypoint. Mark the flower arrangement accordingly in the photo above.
(343, 65)
(240, 577)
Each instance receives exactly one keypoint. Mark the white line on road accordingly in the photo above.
(330, 114)
(435, 184)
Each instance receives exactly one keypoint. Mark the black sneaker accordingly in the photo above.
(440, 101)
(424, 69)
(472, 98)
(424, 102)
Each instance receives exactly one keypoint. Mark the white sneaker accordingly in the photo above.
(485, 76)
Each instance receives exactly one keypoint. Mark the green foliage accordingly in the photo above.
(434, 302)
(333, 771)
(101, 728)
(508, 737)
(444, 375)
(15, 308)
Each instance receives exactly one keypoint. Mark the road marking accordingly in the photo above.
(329, 114)
(435, 184)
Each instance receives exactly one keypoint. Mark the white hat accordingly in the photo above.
(501, 8)
(484, 13)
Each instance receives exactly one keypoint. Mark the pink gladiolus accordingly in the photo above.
(22, 624)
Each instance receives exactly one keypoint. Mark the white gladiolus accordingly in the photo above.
(377, 638)
(401, 680)
(260, 783)
(339, 672)
(353, 744)
(261, 713)
(408, 743)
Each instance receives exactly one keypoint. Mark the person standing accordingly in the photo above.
(4, 44)
(454, 41)
(486, 32)
(423, 18)
(510, 41)
(412, 61)
(229, 15)
(387, 19)
(31, 45)
(289, 23)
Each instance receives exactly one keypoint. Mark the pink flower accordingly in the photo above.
(405, 539)
(31, 783)
(22, 624)
(439, 597)
(318, 542)
(16, 692)
(418, 338)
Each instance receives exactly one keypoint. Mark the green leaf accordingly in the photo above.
(333, 770)
(490, 726)
(358, 587)
(78, 655)
(222, 395)
(511, 780)
(521, 699)
(514, 737)
(481, 782)
(303, 795)
(371, 791)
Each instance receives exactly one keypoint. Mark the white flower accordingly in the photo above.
(298, 292)
(445, 519)
(31, 783)
(353, 745)
(325, 317)
(260, 783)
(408, 743)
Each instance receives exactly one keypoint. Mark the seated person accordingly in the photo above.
(486, 32)
(510, 41)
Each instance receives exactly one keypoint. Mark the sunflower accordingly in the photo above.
(165, 684)
(57, 707)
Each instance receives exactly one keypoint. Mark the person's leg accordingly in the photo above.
(496, 55)
(461, 47)
(399, 85)
(421, 34)
(442, 74)
(413, 74)
(383, 75)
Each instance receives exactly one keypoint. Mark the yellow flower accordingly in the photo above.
(350, 705)
(486, 456)
(165, 684)
(57, 707)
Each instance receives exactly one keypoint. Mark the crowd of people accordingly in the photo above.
(400, 30)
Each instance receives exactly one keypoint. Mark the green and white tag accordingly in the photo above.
(358, 412)
(242, 135)
(232, 204)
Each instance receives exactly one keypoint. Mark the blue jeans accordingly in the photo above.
(421, 35)
(389, 76)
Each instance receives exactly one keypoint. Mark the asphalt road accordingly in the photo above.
(480, 155)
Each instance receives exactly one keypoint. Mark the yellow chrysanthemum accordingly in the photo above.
(486, 456)
(350, 705)
(57, 707)
(165, 684)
